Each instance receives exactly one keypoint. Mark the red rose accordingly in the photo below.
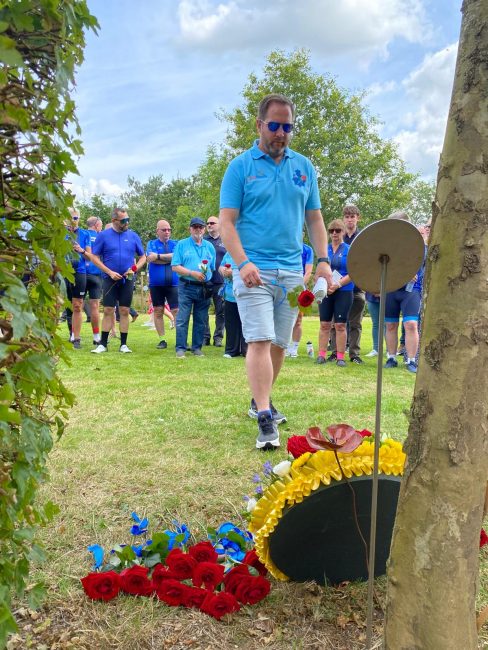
(251, 558)
(203, 552)
(218, 605)
(298, 445)
(101, 586)
(483, 538)
(252, 589)
(209, 574)
(365, 433)
(160, 573)
(133, 268)
(181, 564)
(228, 266)
(306, 298)
(135, 581)
(234, 577)
(204, 261)
(172, 592)
(194, 597)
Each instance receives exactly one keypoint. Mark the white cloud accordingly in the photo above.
(428, 89)
(378, 88)
(95, 186)
(331, 28)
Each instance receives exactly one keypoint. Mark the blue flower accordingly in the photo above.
(256, 478)
(97, 552)
(267, 468)
(140, 527)
(181, 529)
(137, 548)
(259, 489)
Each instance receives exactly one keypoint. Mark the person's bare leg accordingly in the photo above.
(341, 337)
(95, 314)
(108, 320)
(391, 338)
(77, 318)
(159, 320)
(124, 319)
(260, 371)
(277, 358)
(324, 334)
(411, 338)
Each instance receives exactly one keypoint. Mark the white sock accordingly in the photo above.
(293, 347)
(97, 337)
(390, 356)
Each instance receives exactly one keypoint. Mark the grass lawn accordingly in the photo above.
(170, 438)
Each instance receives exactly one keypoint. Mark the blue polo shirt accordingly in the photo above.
(338, 262)
(307, 256)
(228, 284)
(190, 255)
(118, 250)
(90, 267)
(77, 260)
(272, 200)
(161, 275)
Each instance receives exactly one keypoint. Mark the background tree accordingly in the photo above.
(333, 128)
(434, 562)
(41, 42)
(419, 208)
(97, 205)
(155, 199)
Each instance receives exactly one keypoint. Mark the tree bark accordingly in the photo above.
(433, 566)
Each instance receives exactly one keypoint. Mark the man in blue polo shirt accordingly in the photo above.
(163, 281)
(268, 193)
(194, 261)
(117, 247)
(94, 280)
(76, 290)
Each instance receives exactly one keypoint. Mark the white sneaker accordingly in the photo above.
(293, 354)
(287, 352)
(227, 356)
(373, 353)
(124, 349)
(99, 349)
(147, 324)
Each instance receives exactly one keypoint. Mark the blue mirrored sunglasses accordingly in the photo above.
(274, 126)
(125, 220)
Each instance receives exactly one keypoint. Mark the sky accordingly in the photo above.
(159, 71)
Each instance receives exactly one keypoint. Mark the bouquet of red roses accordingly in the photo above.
(216, 576)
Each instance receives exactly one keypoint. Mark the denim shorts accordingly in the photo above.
(265, 312)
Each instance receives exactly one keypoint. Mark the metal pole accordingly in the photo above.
(384, 259)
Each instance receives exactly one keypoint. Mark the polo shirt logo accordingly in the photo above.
(299, 178)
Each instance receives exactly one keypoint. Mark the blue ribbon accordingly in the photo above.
(97, 552)
(140, 527)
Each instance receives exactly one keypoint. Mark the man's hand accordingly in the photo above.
(114, 275)
(77, 248)
(323, 270)
(198, 275)
(250, 275)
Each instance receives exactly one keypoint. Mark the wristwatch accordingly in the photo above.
(159, 256)
(323, 259)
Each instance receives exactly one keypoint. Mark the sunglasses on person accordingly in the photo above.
(211, 223)
(274, 126)
(124, 220)
(165, 229)
(197, 226)
(335, 230)
(75, 218)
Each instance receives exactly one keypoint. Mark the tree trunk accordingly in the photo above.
(433, 567)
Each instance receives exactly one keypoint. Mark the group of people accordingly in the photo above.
(251, 256)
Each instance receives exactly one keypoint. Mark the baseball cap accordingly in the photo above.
(197, 221)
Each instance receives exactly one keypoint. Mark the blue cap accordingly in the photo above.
(197, 221)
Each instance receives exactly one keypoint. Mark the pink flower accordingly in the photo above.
(342, 437)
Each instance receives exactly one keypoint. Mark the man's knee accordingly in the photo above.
(340, 327)
(77, 305)
(124, 311)
(391, 327)
(410, 326)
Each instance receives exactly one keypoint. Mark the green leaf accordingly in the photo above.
(36, 595)
(9, 55)
(50, 510)
(152, 560)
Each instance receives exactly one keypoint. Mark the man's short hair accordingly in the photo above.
(117, 211)
(269, 99)
(92, 221)
(399, 214)
(350, 208)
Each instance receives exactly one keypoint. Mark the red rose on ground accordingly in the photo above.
(483, 538)
(252, 589)
(234, 577)
(160, 573)
(181, 564)
(101, 586)
(194, 597)
(218, 605)
(133, 268)
(306, 298)
(203, 552)
(209, 574)
(298, 445)
(172, 592)
(364, 433)
(251, 558)
(135, 581)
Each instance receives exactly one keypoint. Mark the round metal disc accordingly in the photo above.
(399, 240)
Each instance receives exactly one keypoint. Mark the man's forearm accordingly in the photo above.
(98, 262)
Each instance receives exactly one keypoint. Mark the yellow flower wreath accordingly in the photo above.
(307, 473)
